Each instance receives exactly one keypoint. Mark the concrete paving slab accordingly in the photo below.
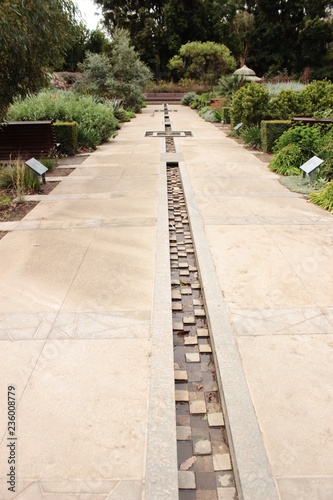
(274, 288)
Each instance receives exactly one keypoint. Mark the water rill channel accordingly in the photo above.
(204, 463)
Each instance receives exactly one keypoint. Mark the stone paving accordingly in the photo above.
(203, 454)
(86, 327)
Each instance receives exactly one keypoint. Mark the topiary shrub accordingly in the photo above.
(286, 104)
(249, 105)
(270, 131)
(317, 96)
(288, 160)
(67, 136)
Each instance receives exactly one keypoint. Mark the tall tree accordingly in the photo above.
(33, 37)
(289, 34)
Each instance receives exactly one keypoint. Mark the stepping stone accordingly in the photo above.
(183, 265)
(198, 408)
(184, 273)
(205, 349)
(175, 295)
(176, 306)
(221, 461)
(186, 290)
(191, 340)
(192, 357)
(181, 396)
(189, 320)
(199, 313)
(202, 332)
(202, 447)
(186, 480)
(226, 493)
(181, 376)
(215, 419)
(178, 326)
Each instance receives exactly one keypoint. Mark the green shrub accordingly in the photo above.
(69, 107)
(326, 153)
(19, 178)
(318, 96)
(288, 160)
(226, 114)
(123, 115)
(286, 105)
(249, 105)
(251, 135)
(67, 135)
(324, 197)
(271, 131)
(308, 138)
(130, 93)
(189, 98)
(49, 163)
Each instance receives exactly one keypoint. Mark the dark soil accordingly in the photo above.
(10, 210)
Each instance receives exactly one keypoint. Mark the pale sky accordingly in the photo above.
(88, 10)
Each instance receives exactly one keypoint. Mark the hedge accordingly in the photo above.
(226, 115)
(66, 135)
(271, 131)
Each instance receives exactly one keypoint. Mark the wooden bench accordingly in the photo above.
(26, 139)
(310, 121)
(161, 97)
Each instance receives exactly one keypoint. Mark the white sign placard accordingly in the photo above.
(238, 126)
(311, 164)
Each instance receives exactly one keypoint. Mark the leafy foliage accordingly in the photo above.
(205, 62)
(324, 197)
(308, 138)
(19, 178)
(251, 135)
(34, 36)
(189, 98)
(121, 76)
(250, 104)
(286, 105)
(288, 160)
(96, 122)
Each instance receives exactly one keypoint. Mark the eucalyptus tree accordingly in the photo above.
(34, 35)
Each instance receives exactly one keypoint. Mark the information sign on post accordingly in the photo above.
(310, 166)
(37, 167)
